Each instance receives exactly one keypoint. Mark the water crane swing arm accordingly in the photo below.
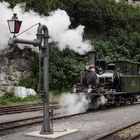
(35, 42)
(15, 40)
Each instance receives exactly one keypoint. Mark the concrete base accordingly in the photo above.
(55, 134)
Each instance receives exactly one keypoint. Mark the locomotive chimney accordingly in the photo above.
(91, 57)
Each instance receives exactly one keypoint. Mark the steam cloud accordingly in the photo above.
(73, 103)
(58, 23)
(78, 103)
(101, 101)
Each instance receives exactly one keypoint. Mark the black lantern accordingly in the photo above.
(14, 24)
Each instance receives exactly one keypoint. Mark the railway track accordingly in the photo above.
(24, 108)
(37, 107)
(11, 126)
(7, 127)
(130, 132)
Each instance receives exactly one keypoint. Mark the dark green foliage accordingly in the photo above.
(10, 98)
(130, 42)
(39, 6)
(64, 70)
(110, 51)
(30, 82)
(31, 98)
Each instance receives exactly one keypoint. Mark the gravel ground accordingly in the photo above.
(91, 126)
(18, 116)
(125, 134)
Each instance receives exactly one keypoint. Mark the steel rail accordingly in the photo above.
(106, 136)
(7, 127)
(24, 108)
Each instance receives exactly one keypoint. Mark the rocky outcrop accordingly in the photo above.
(15, 64)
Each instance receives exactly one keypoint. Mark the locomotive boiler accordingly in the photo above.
(105, 83)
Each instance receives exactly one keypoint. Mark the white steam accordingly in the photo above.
(101, 101)
(73, 103)
(58, 23)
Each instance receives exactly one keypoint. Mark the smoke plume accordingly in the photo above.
(101, 101)
(73, 103)
(58, 23)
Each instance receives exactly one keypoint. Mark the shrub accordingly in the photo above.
(10, 98)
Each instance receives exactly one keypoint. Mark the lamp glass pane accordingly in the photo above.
(11, 24)
(17, 26)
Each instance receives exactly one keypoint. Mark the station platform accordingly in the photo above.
(90, 126)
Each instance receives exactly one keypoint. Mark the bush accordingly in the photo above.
(30, 82)
(64, 70)
(9, 98)
(31, 98)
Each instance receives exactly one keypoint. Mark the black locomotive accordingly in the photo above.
(105, 83)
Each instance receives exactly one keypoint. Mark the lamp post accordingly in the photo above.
(42, 42)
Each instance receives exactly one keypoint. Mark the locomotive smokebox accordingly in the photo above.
(91, 57)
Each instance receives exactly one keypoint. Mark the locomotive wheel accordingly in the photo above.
(132, 102)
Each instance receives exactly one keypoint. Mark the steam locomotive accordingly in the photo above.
(105, 83)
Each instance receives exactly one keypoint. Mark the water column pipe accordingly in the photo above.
(42, 43)
(46, 128)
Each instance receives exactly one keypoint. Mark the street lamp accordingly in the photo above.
(14, 24)
(42, 42)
